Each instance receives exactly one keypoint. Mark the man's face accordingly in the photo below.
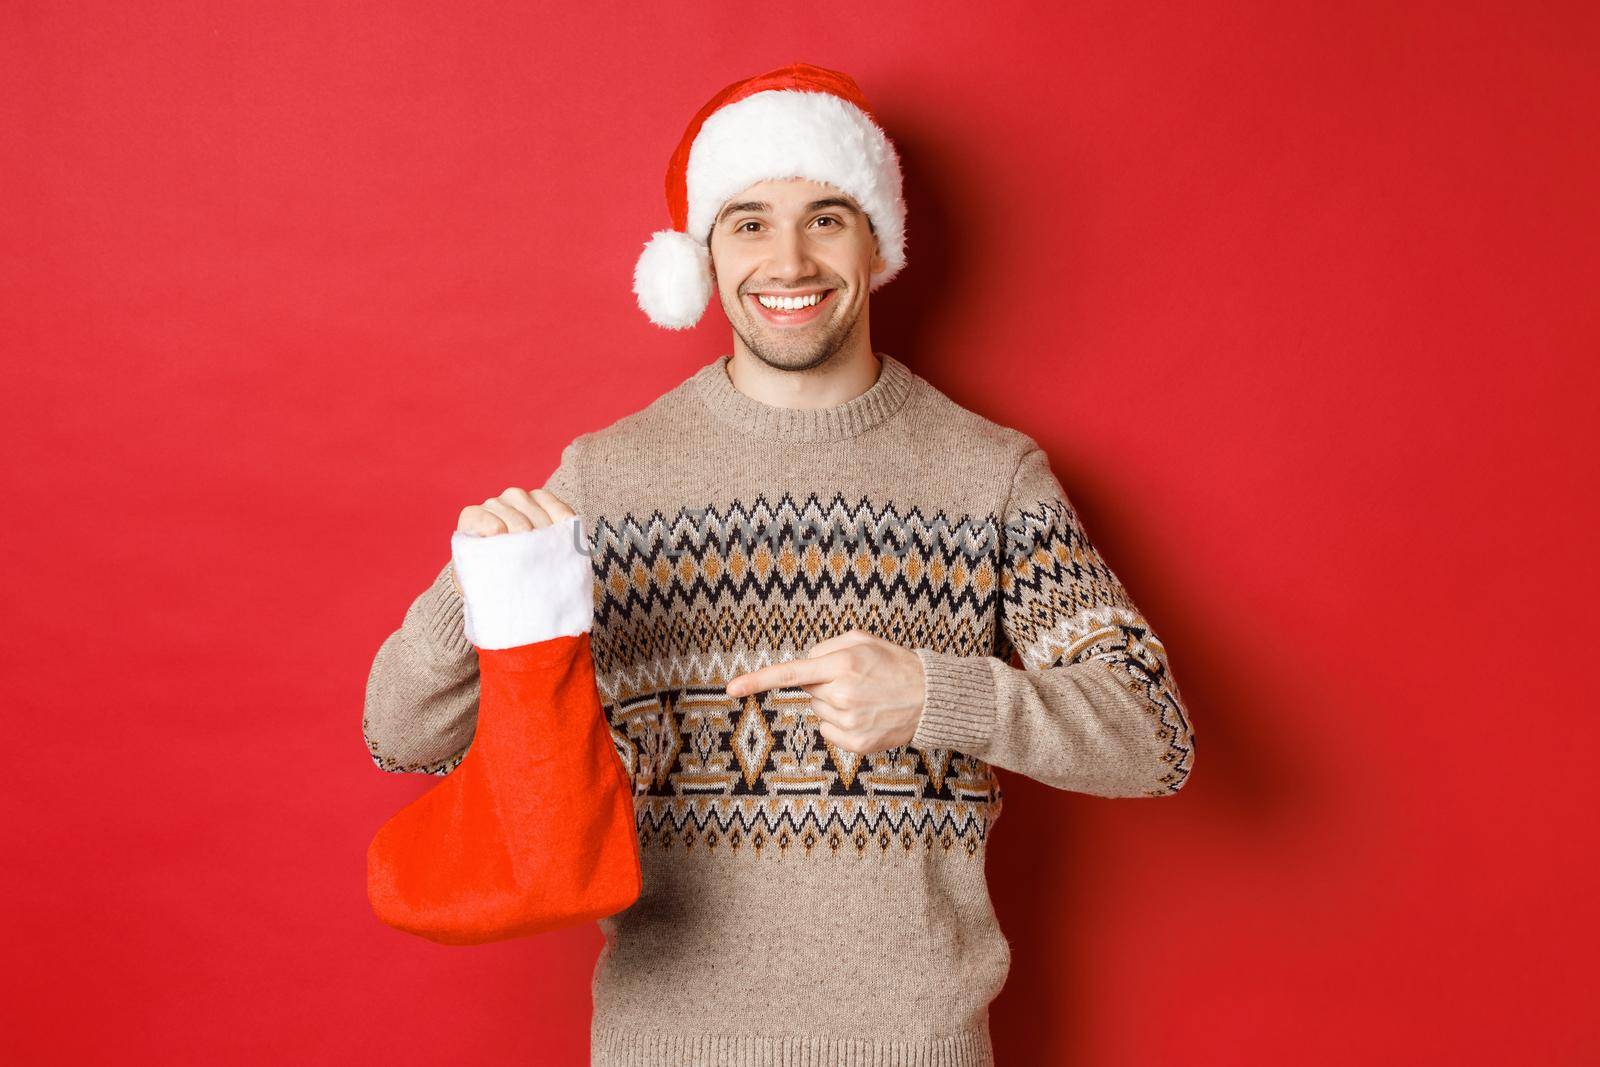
(794, 238)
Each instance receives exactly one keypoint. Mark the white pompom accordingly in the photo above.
(673, 279)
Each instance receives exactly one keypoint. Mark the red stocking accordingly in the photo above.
(534, 829)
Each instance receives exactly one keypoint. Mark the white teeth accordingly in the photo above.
(789, 303)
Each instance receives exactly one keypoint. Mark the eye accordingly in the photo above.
(748, 222)
(830, 218)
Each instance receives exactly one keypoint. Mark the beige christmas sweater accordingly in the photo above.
(804, 904)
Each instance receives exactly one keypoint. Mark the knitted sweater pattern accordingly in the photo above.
(802, 903)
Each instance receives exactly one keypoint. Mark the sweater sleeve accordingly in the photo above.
(422, 691)
(1095, 708)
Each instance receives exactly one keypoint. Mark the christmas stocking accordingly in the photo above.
(534, 828)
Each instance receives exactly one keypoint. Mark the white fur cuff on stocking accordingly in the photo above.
(525, 587)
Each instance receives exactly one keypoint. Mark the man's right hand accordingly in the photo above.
(513, 511)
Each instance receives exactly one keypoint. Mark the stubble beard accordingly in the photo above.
(794, 354)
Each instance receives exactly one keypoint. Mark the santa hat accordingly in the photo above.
(799, 121)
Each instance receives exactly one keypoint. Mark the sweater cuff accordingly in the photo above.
(959, 707)
(440, 610)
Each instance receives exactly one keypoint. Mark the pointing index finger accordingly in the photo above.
(785, 675)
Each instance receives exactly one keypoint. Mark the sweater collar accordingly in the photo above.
(855, 416)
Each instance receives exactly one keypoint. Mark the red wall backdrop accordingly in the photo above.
(1300, 299)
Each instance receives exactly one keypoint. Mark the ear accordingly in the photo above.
(879, 264)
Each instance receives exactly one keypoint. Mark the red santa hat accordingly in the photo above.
(799, 121)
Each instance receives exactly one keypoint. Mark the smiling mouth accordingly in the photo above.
(791, 310)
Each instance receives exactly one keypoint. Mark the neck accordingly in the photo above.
(860, 413)
(843, 376)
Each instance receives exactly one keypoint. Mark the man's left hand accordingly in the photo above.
(867, 692)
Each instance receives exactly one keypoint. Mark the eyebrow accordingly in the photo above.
(762, 205)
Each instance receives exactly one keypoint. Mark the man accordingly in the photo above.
(811, 569)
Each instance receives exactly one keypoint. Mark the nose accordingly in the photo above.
(791, 255)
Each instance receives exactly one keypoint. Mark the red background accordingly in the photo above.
(1299, 298)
